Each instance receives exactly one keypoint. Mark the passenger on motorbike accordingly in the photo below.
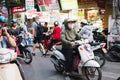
(55, 35)
(14, 29)
(86, 30)
(6, 41)
(68, 36)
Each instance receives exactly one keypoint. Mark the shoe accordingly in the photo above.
(66, 73)
(67, 78)
(33, 54)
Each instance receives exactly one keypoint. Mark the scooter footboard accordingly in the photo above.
(9, 72)
(92, 63)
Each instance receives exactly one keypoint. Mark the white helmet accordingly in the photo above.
(84, 21)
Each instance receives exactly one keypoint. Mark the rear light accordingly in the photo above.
(103, 45)
(81, 48)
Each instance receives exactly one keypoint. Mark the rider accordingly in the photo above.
(5, 39)
(14, 30)
(55, 34)
(86, 30)
(68, 36)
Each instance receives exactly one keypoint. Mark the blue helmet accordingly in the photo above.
(3, 19)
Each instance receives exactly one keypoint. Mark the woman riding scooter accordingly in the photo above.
(68, 36)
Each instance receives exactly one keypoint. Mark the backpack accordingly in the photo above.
(40, 30)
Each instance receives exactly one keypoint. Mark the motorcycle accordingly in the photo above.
(87, 65)
(113, 53)
(24, 51)
(10, 68)
(99, 52)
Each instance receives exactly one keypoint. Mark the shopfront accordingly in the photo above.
(92, 12)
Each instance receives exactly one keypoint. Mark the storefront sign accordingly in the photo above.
(31, 13)
(43, 16)
(69, 4)
(29, 4)
(18, 9)
(48, 4)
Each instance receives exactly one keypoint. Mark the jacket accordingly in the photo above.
(68, 36)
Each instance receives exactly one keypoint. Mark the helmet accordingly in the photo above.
(84, 21)
(69, 20)
(3, 19)
(13, 21)
(56, 23)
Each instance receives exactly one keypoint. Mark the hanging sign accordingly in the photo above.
(29, 4)
(18, 9)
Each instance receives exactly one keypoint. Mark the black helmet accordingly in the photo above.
(56, 23)
(13, 21)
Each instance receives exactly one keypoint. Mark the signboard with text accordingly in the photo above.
(31, 13)
(69, 4)
(29, 4)
(48, 4)
(17, 9)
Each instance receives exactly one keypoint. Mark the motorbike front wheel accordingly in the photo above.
(58, 67)
(92, 73)
(99, 57)
(27, 57)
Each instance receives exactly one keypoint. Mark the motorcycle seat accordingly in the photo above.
(94, 44)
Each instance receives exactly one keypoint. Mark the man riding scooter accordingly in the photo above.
(68, 36)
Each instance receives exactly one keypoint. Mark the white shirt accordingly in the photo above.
(86, 32)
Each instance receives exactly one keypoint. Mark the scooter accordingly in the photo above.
(24, 51)
(10, 68)
(87, 65)
(99, 52)
(113, 53)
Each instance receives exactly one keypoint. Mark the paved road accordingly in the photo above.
(42, 69)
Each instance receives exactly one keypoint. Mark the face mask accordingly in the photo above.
(70, 26)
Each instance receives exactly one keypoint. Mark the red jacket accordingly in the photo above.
(56, 33)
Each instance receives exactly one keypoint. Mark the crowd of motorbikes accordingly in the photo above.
(90, 58)
(88, 61)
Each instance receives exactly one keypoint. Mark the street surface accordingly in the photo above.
(42, 69)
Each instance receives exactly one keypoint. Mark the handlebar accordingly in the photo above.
(82, 41)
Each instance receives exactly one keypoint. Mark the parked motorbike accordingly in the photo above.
(113, 53)
(99, 52)
(24, 51)
(87, 64)
(10, 68)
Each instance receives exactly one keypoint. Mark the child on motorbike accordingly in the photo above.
(68, 36)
